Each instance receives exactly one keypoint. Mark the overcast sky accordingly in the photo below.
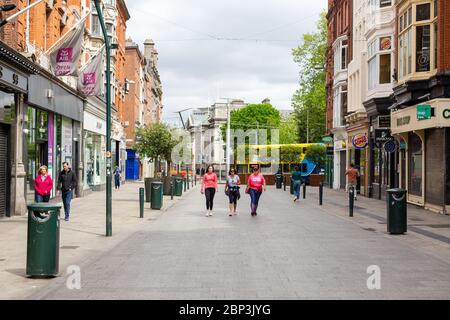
(197, 69)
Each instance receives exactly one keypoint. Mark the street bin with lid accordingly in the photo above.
(178, 186)
(157, 195)
(396, 211)
(43, 240)
(279, 180)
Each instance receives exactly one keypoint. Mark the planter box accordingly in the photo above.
(316, 179)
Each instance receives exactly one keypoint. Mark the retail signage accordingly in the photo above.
(383, 135)
(385, 43)
(13, 79)
(384, 121)
(446, 113)
(424, 112)
(339, 145)
(360, 141)
(390, 146)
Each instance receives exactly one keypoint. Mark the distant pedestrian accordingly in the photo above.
(117, 175)
(209, 188)
(232, 190)
(67, 182)
(255, 184)
(43, 185)
(352, 175)
(297, 181)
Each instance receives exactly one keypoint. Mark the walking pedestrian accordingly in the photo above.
(352, 175)
(297, 181)
(43, 185)
(117, 175)
(255, 184)
(67, 181)
(209, 188)
(232, 190)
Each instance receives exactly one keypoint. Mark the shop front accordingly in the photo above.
(94, 146)
(340, 162)
(118, 146)
(358, 148)
(14, 77)
(424, 162)
(52, 130)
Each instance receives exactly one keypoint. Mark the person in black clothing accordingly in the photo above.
(67, 181)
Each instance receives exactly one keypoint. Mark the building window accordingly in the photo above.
(344, 58)
(418, 54)
(385, 3)
(379, 63)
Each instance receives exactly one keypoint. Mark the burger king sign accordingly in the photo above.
(360, 141)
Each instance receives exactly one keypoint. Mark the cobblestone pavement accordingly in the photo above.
(289, 251)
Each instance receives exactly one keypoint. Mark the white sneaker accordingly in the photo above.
(207, 213)
(210, 213)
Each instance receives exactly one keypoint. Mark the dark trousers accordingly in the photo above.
(38, 198)
(66, 198)
(254, 196)
(117, 181)
(209, 193)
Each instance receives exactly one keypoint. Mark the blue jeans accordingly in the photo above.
(297, 184)
(66, 198)
(38, 198)
(254, 196)
(117, 182)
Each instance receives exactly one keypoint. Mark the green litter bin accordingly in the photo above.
(396, 211)
(178, 186)
(43, 239)
(157, 195)
(279, 180)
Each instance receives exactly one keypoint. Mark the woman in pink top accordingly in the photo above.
(43, 185)
(255, 184)
(209, 188)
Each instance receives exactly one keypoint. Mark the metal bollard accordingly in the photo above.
(351, 200)
(171, 189)
(304, 190)
(195, 179)
(187, 181)
(320, 193)
(184, 184)
(141, 202)
(284, 183)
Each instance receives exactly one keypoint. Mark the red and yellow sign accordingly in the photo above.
(360, 141)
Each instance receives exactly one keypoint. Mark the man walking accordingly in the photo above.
(297, 181)
(67, 181)
(352, 174)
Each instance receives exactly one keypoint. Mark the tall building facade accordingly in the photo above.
(339, 55)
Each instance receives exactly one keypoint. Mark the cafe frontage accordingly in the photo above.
(423, 131)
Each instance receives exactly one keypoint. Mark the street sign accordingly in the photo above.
(423, 112)
(390, 146)
(383, 135)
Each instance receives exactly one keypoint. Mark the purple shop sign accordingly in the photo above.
(51, 136)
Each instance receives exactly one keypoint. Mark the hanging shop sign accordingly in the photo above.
(390, 146)
(360, 141)
(383, 135)
(384, 122)
(424, 112)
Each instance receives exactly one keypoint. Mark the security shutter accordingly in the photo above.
(4, 172)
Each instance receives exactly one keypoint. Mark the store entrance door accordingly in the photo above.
(42, 154)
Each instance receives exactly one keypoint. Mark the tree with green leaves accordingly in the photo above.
(309, 101)
(156, 141)
(289, 130)
(316, 153)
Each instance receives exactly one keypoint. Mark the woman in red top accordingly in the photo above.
(255, 184)
(43, 185)
(209, 188)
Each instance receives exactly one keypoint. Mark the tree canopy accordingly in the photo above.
(309, 101)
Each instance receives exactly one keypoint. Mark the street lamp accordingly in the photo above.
(108, 120)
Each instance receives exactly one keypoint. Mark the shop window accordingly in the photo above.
(415, 164)
(423, 12)
(423, 40)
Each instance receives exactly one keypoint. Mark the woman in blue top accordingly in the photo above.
(232, 190)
